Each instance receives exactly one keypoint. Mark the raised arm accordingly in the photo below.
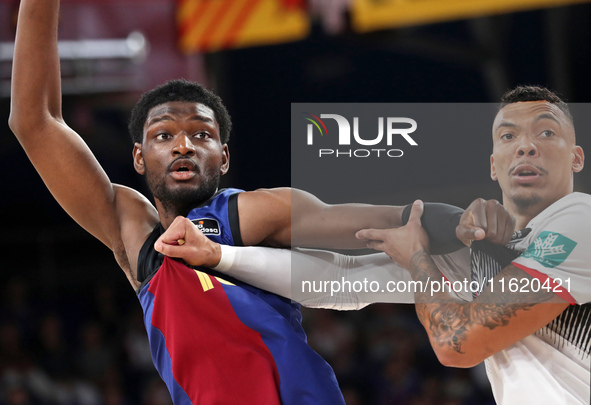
(61, 157)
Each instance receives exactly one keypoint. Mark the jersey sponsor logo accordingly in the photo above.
(208, 226)
(550, 249)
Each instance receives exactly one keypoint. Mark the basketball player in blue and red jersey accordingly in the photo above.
(213, 339)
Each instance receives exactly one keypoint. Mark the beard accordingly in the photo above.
(523, 203)
(181, 200)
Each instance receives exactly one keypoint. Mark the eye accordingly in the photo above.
(163, 136)
(548, 133)
(202, 135)
(507, 136)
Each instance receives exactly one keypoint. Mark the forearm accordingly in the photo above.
(425, 273)
(36, 93)
(324, 279)
(316, 278)
(265, 268)
(285, 217)
(448, 321)
(320, 225)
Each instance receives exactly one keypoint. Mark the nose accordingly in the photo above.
(527, 148)
(183, 145)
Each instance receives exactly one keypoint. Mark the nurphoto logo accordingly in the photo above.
(380, 145)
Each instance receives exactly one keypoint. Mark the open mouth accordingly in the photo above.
(526, 173)
(183, 169)
(183, 165)
(526, 170)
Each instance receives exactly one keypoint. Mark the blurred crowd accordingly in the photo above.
(88, 351)
(92, 349)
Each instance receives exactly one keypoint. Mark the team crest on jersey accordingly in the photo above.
(550, 248)
(208, 226)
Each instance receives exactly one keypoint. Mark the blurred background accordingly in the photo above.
(71, 329)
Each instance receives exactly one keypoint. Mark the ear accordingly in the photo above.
(493, 171)
(578, 159)
(138, 159)
(225, 159)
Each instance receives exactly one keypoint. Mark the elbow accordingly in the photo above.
(22, 124)
(17, 124)
(13, 122)
(450, 358)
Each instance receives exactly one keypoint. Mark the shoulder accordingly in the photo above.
(265, 203)
(558, 245)
(265, 216)
(265, 196)
(570, 214)
(573, 202)
(568, 220)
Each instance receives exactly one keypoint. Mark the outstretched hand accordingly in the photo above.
(183, 240)
(399, 243)
(486, 219)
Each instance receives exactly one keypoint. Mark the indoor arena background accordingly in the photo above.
(71, 328)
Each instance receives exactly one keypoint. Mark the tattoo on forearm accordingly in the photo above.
(448, 319)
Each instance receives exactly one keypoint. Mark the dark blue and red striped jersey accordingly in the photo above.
(217, 340)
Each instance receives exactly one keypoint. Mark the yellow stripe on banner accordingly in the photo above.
(205, 281)
(219, 37)
(272, 23)
(211, 25)
(185, 10)
(198, 25)
(369, 15)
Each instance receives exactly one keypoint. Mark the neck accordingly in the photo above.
(166, 214)
(524, 213)
(522, 219)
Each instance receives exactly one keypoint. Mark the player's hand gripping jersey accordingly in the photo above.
(215, 339)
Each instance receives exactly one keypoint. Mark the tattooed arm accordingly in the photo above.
(461, 333)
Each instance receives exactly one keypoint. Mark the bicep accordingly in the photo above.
(320, 225)
(292, 217)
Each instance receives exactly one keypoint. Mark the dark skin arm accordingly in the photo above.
(461, 333)
(319, 224)
(117, 216)
(271, 217)
(60, 156)
(266, 219)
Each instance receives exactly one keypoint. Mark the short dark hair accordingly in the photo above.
(535, 93)
(178, 90)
